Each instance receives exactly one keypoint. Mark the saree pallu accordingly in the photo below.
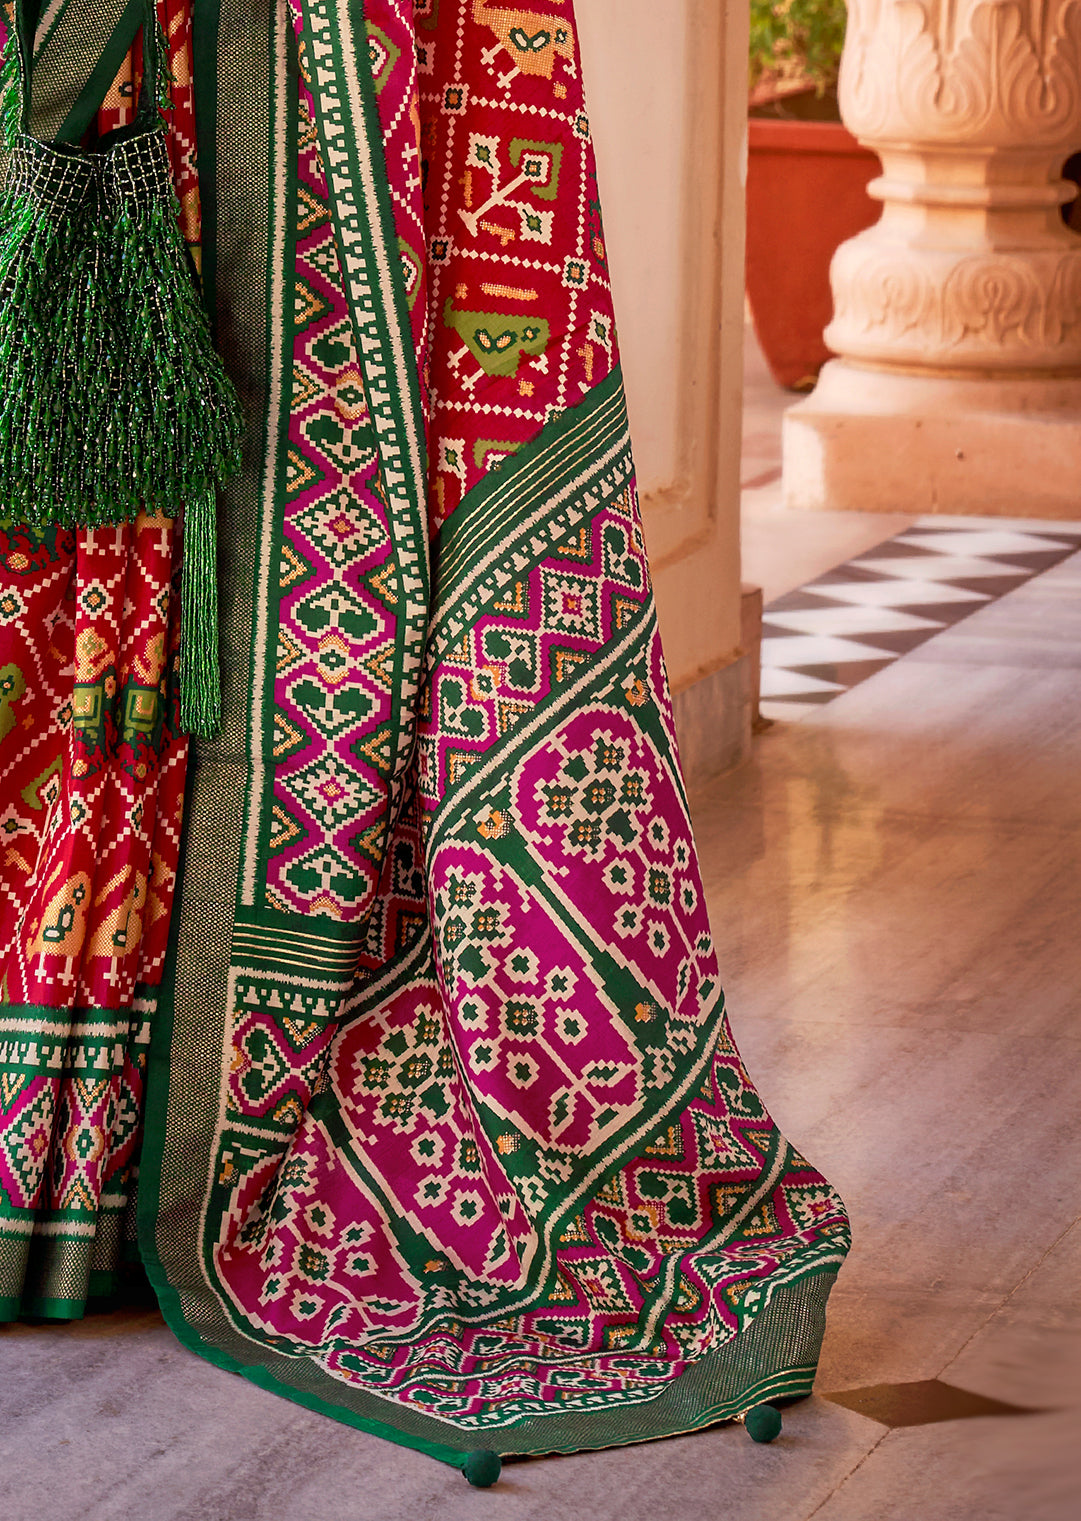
(446, 1134)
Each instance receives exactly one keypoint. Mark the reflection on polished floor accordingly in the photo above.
(895, 885)
(895, 888)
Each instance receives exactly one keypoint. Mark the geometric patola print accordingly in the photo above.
(518, 267)
(472, 1155)
(337, 592)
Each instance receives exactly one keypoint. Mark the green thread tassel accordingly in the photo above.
(112, 397)
(200, 683)
(178, 418)
(46, 257)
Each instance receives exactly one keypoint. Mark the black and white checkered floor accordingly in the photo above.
(826, 637)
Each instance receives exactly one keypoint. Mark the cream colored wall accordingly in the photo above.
(666, 83)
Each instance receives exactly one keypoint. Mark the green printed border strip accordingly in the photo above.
(351, 140)
(64, 101)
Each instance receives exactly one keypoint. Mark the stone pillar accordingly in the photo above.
(957, 316)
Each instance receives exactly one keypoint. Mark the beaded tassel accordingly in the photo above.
(178, 419)
(112, 397)
(12, 89)
(178, 426)
(163, 74)
(200, 685)
(50, 357)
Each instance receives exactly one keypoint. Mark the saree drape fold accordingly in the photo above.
(92, 774)
(446, 1132)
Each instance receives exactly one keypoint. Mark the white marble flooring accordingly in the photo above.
(852, 621)
(783, 550)
(895, 888)
(895, 885)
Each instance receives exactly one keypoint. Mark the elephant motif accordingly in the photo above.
(533, 39)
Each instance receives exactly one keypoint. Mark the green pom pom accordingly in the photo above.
(763, 1423)
(482, 1468)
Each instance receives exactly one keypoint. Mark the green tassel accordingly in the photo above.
(177, 424)
(163, 73)
(200, 685)
(177, 419)
(112, 396)
(51, 368)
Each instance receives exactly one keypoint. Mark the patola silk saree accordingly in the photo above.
(396, 996)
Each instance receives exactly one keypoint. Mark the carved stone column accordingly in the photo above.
(957, 316)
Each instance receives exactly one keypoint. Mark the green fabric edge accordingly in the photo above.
(105, 71)
(101, 1286)
(204, 48)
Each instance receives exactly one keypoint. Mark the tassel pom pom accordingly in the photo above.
(482, 1468)
(763, 1423)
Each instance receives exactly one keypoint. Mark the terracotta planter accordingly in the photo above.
(806, 194)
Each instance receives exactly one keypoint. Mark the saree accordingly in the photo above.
(444, 1131)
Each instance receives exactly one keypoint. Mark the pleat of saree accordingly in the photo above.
(92, 770)
(446, 1132)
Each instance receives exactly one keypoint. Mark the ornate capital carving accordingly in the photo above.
(982, 72)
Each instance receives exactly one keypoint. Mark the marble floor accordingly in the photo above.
(852, 621)
(895, 888)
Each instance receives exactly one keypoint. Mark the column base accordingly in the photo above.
(870, 440)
